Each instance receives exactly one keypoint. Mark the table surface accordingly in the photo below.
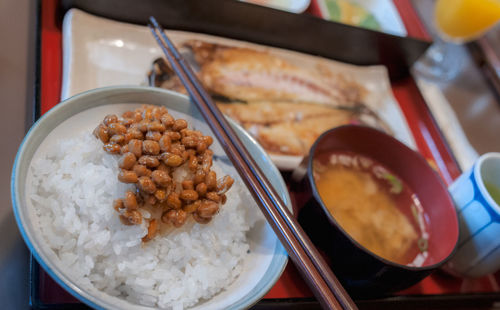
(471, 99)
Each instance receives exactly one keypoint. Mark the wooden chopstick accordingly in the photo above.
(319, 276)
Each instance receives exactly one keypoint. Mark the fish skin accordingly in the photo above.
(251, 75)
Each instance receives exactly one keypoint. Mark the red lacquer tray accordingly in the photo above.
(438, 290)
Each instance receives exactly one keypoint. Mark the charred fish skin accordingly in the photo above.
(163, 76)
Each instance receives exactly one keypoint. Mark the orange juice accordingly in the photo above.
(463, 20)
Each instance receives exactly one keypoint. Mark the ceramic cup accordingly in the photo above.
(478, 251)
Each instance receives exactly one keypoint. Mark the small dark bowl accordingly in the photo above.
(363, 273)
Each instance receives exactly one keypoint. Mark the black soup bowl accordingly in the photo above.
(363, 273)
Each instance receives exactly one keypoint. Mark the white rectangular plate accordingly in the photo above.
(99, 52)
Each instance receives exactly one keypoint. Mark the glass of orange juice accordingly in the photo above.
(456, 21)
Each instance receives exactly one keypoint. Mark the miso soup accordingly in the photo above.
(374, 206)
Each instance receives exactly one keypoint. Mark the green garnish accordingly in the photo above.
(396, 184)
(414, 211)
(422, 242)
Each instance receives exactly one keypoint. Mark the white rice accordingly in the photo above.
(72, 189)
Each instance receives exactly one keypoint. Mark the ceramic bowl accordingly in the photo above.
(261, 268)
(363, 273)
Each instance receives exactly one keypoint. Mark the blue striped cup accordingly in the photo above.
(478, 250)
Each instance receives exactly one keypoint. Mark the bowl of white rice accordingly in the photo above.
(63, 186)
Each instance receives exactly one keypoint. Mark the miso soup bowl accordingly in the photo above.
(363, 273)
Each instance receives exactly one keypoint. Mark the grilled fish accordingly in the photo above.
(283, 106)
(251, 75)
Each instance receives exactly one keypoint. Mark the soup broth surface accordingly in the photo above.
(374, 206)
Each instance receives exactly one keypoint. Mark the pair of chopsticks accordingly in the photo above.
(313, 268)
